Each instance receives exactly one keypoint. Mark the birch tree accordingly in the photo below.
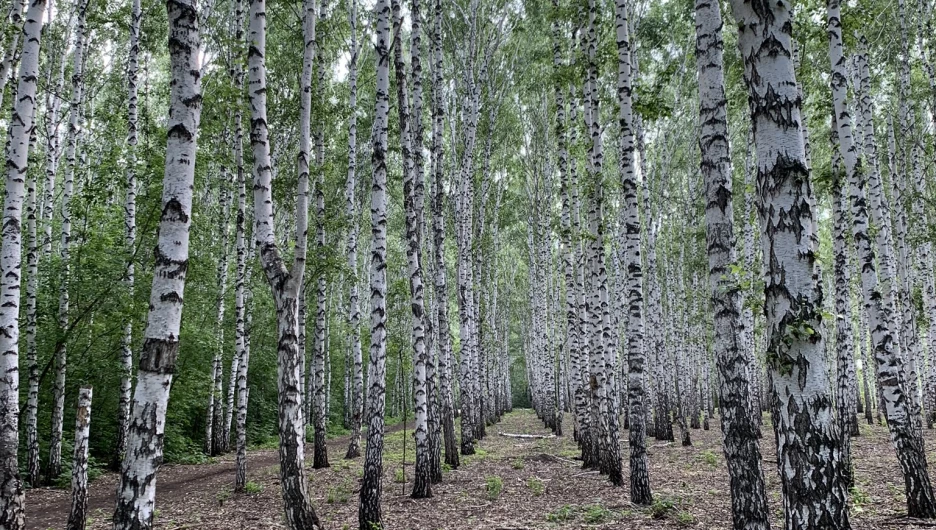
(285, 281)
(126, 346)
(410, 129)
(742, 452)
(898, 403)
(630, 241)
(369, 512)
(354, 311)
(68, 185)
(807, 435)
(137, 488)
(17, 152)
(78, 516)
(437, 168)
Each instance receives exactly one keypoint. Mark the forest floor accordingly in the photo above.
(509, 484)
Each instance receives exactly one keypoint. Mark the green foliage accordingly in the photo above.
(252, 487)
(561, 515)
(223, 496)
(493, 487)
(340, 493)
(596, 513)
(537, 486)
(399, 476)
(661, 507)
(684, 518)
(859, 497)
(709, 457)
(517, 464)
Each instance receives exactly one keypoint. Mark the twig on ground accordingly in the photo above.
(527, 436)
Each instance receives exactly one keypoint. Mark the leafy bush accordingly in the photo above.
(494, 487)
(661, 507)
(684, 518)
(536, 486)
(563, 514)
(597, 513)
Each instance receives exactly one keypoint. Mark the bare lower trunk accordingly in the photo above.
(899, 403)
(126, 349)
(78, 516)
(285, 283)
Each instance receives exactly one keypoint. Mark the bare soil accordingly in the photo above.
(510, 484)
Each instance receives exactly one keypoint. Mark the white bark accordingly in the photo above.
(21, 123)
(126, 349)
(351, 214)
(741, 448)
(137, 490)
(805, 428)
(897, 391)
(68, 186)
(285, 283)
(78, 516)
(369, 512)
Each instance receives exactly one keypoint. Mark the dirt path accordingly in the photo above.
(509, 484)
(48, 508)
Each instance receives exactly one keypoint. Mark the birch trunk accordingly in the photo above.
(631, 262)
(807, 435)
(32, 289)
(907, 439)
(843, 338)
(437, 205)
(68, 185)
(78, 516)
(285, 283)
(215, 438)
(242, 262)
(137, 490)
(369, 512)
(742, 452)
(354, 311)
(319, 389)
(12, 515)
(411, 131)
(126, 349)
(464, 213)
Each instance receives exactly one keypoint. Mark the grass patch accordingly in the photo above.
(223, 496)
(596, 513)
(709, 457)
(537, 486)
(494, 486)
(858, 496)
(684, 518)
(399, 476)
(339, 494)
(561, 515)
(517, 464)
(253, 488)
(661, 507)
